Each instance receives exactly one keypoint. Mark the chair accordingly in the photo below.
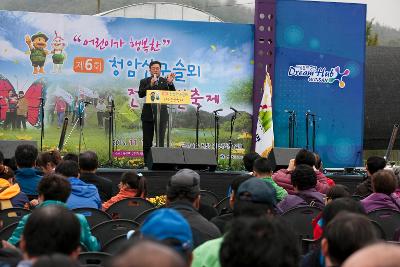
(7, 231)
(299, 219)
(142, 216)
(115, 244)
(12, 215)
(106, 231)
(379, 230)
(309, 244)
(223, 206)
(94, 258)
(129, 208)
(388, 219)
(93, 216)
(357, 197)
(208, 198)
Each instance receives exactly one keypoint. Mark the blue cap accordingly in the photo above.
(258, 191)
(168, 223)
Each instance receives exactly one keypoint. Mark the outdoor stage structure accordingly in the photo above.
(292, 63)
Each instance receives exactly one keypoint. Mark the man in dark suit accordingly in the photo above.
(88, 164)
(149, 112)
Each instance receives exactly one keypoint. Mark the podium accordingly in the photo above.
(158, 98)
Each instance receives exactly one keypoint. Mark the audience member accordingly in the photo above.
(83, 195)
(54, 190)
(148, 254)
(11, 195)
(248, 161)
(48, 230)
(283, 177)
(373, 165)
(384, 183)
(262, 169)
(335, 192)
(344, 235)
(71, 156)
(47, 161)
(131, 185)
(88, 164)
(377, 255)
(304, 181)
(396, 171)
(253, 198)
(27, 176)
(183, 195)
(222, 220)
(169, 227)
(58, 260)
(319, 167)
(259, 242)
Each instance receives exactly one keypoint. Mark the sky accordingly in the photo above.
(385, 12)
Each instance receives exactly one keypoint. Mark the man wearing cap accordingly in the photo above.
(170, 228)
(254, 198)
(183, 195)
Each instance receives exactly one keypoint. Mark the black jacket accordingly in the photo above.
(147, 112)
(104, 185)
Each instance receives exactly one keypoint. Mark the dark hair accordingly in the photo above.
(305, 157)
(51, 229)
(48, 157)
(88, 161)
(318, 161)
(1, 157)
(68, 168)
(58, 260)
(155, 62)
(135, 181)
(239, 180)
(54, 187)
(262, 166)
(248, 160)
(245, 208)
(257, 242)
(304, 177)
(71, 156)
(341, 204)
(375, 164)
(338, 191)
(26, 155)
(7, 173)
(384, 181)
(347, 233)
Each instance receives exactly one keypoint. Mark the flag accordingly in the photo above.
(265, 131)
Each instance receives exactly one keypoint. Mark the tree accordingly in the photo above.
(240, 93)
(372, 38)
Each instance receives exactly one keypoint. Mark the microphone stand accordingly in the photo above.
(233, 118)
(313, 133)
(41, 122)
(81, 114)
(216, 134)
(292, 124)
(307, 121)
(111, 132)
(197, 125)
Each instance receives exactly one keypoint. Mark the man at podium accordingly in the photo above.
(149, 111)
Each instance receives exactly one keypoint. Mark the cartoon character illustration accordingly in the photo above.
(37, 46)
(59, 55)
(33, 96)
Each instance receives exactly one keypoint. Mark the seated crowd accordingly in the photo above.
(185, 232)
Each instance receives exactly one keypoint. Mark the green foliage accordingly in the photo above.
(240, 93)
(242, 123)
(372, 38)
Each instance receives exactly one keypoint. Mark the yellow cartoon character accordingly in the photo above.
(37, 46)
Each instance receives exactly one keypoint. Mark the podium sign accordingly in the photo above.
(168, 97)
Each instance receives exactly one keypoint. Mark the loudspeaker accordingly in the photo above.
(8, 146)
(162, 158)
(280, 157)
(200, 159)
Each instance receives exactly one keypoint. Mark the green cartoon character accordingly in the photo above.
(38, 52)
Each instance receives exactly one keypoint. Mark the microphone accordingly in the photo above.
(155, 77)
(234, 110)
(87, 102)
(289, 111)
(308, 113)
(218, 110)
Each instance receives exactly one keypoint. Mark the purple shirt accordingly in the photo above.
(381, 201)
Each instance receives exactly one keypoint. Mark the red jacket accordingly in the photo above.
(122, 194)
(283, 179)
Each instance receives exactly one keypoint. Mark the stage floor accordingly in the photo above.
(217, 182)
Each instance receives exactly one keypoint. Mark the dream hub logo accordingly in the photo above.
(317, 74)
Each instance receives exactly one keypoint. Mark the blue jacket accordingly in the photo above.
(83, 195)
(28, 179)
(87, 239)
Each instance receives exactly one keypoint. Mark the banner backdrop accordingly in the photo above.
(68, 59)
(319, 69)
